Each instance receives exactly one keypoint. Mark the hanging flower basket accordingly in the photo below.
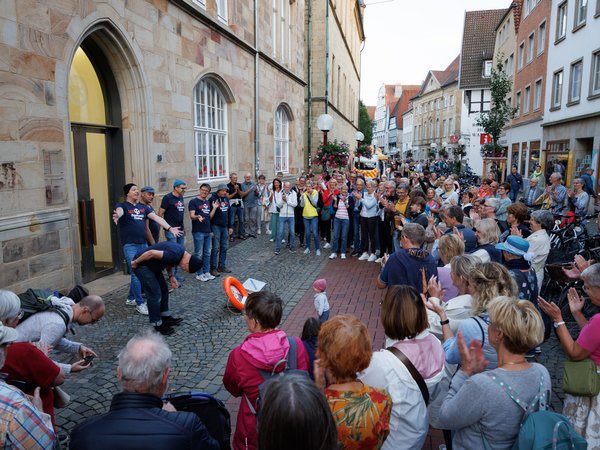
(492, 150)
(335, 154)
(364, 151)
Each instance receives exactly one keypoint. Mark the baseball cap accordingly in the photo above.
(178, 182)
(148, 189)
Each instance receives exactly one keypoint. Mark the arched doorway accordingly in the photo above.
(97, 143)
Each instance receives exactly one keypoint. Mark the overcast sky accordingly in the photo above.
(405, 39)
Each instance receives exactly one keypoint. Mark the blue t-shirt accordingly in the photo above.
(132, 224)
(174, 208)
(404, 267)
(468, 235)
(221, 217)
(202, 209)
(251, 198)
(172, 254)
(154, 227)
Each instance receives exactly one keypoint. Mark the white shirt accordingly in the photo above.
(539, 246)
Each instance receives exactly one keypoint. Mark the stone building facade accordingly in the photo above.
(97, 94)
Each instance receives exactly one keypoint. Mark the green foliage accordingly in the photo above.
(364, 122)
(500, 112)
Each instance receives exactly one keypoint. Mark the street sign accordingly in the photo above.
(485, 138)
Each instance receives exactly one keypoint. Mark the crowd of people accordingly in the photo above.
(463, 267)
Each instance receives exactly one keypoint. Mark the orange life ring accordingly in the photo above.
(236, 292)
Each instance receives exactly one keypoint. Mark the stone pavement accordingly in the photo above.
(202, 343)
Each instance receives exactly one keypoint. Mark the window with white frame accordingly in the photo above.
(561, 21)
(595, 73)
(521, 55)
(557, 83)
(530, 44)
(526, 100)
(222, 10)
(511, 64)
(210, 130)
(537, 95)
(201, 3)
(580, 13)
(438, 130)
(452, 100)
(282, 140)
(518, 104)
(575, 81)
(445, 127)
(526, 8)
(541, 38)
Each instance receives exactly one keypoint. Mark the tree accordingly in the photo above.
(500, 113)
(364, 122)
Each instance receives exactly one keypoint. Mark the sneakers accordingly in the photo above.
(318, 252)
(214, 272)
(258, 232)
(333, 256)
(293, 252)
(203, 277)
(142, 309)
(379, 260)
(223, 269)
(271, 240)
(343, 256)
(372, 258)
(268, 232)
(307, 251)
(327, 245)
(130, 302)
(276, 253)
(283, 241)
(354, 253)
(164, 329)
(209, 276)
(364, 257)
(171, 321)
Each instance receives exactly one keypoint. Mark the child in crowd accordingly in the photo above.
(321, 303)
(310, 333)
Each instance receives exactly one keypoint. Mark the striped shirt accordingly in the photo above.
(21, 424)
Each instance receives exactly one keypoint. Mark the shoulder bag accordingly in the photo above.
(413, 372)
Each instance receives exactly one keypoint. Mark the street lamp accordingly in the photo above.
(359, 137)
(325, 124)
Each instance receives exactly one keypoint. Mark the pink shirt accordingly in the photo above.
(589, 338)
(425, 352)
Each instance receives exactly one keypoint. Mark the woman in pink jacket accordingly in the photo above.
(262, 349)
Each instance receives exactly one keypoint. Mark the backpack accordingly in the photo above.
(541, 429)
(290, 368)
(39, 300)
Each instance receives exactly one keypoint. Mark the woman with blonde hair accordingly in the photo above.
(450, 245)
(486, 409)
(486, 282)
(488, 235)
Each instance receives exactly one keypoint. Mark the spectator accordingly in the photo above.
(286, 204)
(49, 328)
(449, 196)
(345, 349)
(484, 407)
(274, 197)
(404, 321)
(147, 194)
(487, 237)
(222, 228)
(515, 180)
(149, 265)
(172, 209)
(534, 193)
(504, 191)
(309, 201)
(262, 349)
(451, 245)
(296, 416)
(541, 223)
(582, 411)
(27, 364)
(264, 216)
(321, 302)
(538, 175)
(557, 193)
(310, 334)
(357, 193)
(24, 425)
(137, 417)
(343, 207)
(329, 195)
(369, 216)
(489, 208)
(578, 198)
(517, 215)
(299, 190)
(453, 217)
(201, 212)
(410, 265)
(516, 259)
(236, 206)
(249, 194)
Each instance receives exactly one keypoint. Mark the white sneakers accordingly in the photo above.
(372, 258)
(258, 231)
(327, 245)
(307, 251)
(268, 231)
(343, 256)
(379, 260)
(318, 252)
(333, 256)
(364, 256)
(142, 309)
(130, 302)
(204, 277)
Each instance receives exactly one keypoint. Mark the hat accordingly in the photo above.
(127, 188)
(178, 182)
(320, 284)
(7, 334)
(515, 245)
(195, 264)
(148, 189)
(221, 186)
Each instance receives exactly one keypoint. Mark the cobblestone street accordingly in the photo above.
(202, 343)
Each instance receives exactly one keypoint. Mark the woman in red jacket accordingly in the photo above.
(262, 349)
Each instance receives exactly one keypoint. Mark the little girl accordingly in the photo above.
(321, 303)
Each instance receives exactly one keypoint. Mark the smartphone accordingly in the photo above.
(88, 359)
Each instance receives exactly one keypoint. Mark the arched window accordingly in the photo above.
(282, 140)
(210, 130)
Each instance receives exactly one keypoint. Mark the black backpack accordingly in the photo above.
(38, 300)
(290, 367)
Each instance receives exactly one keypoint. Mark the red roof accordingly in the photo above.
(401, 106)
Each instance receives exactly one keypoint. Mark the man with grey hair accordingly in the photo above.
(137, 417)
(533, 193)
(411, 264)
(249, 194)
(557, 193)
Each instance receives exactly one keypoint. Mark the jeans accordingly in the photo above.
(280, 231)
(202, 247)
(239, 212)
(180, 240)
(396, 239)
(157, 293)
(357, 233)
(135, 288)
(370, 234)
(311, 225)
(251, 219)
(274, 224)
(340, 233)
(219, 246)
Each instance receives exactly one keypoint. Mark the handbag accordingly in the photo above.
(413, 372)
(581, 378)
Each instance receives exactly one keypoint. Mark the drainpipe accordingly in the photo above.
(309, 76)
(327, 56)
(256, 94)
